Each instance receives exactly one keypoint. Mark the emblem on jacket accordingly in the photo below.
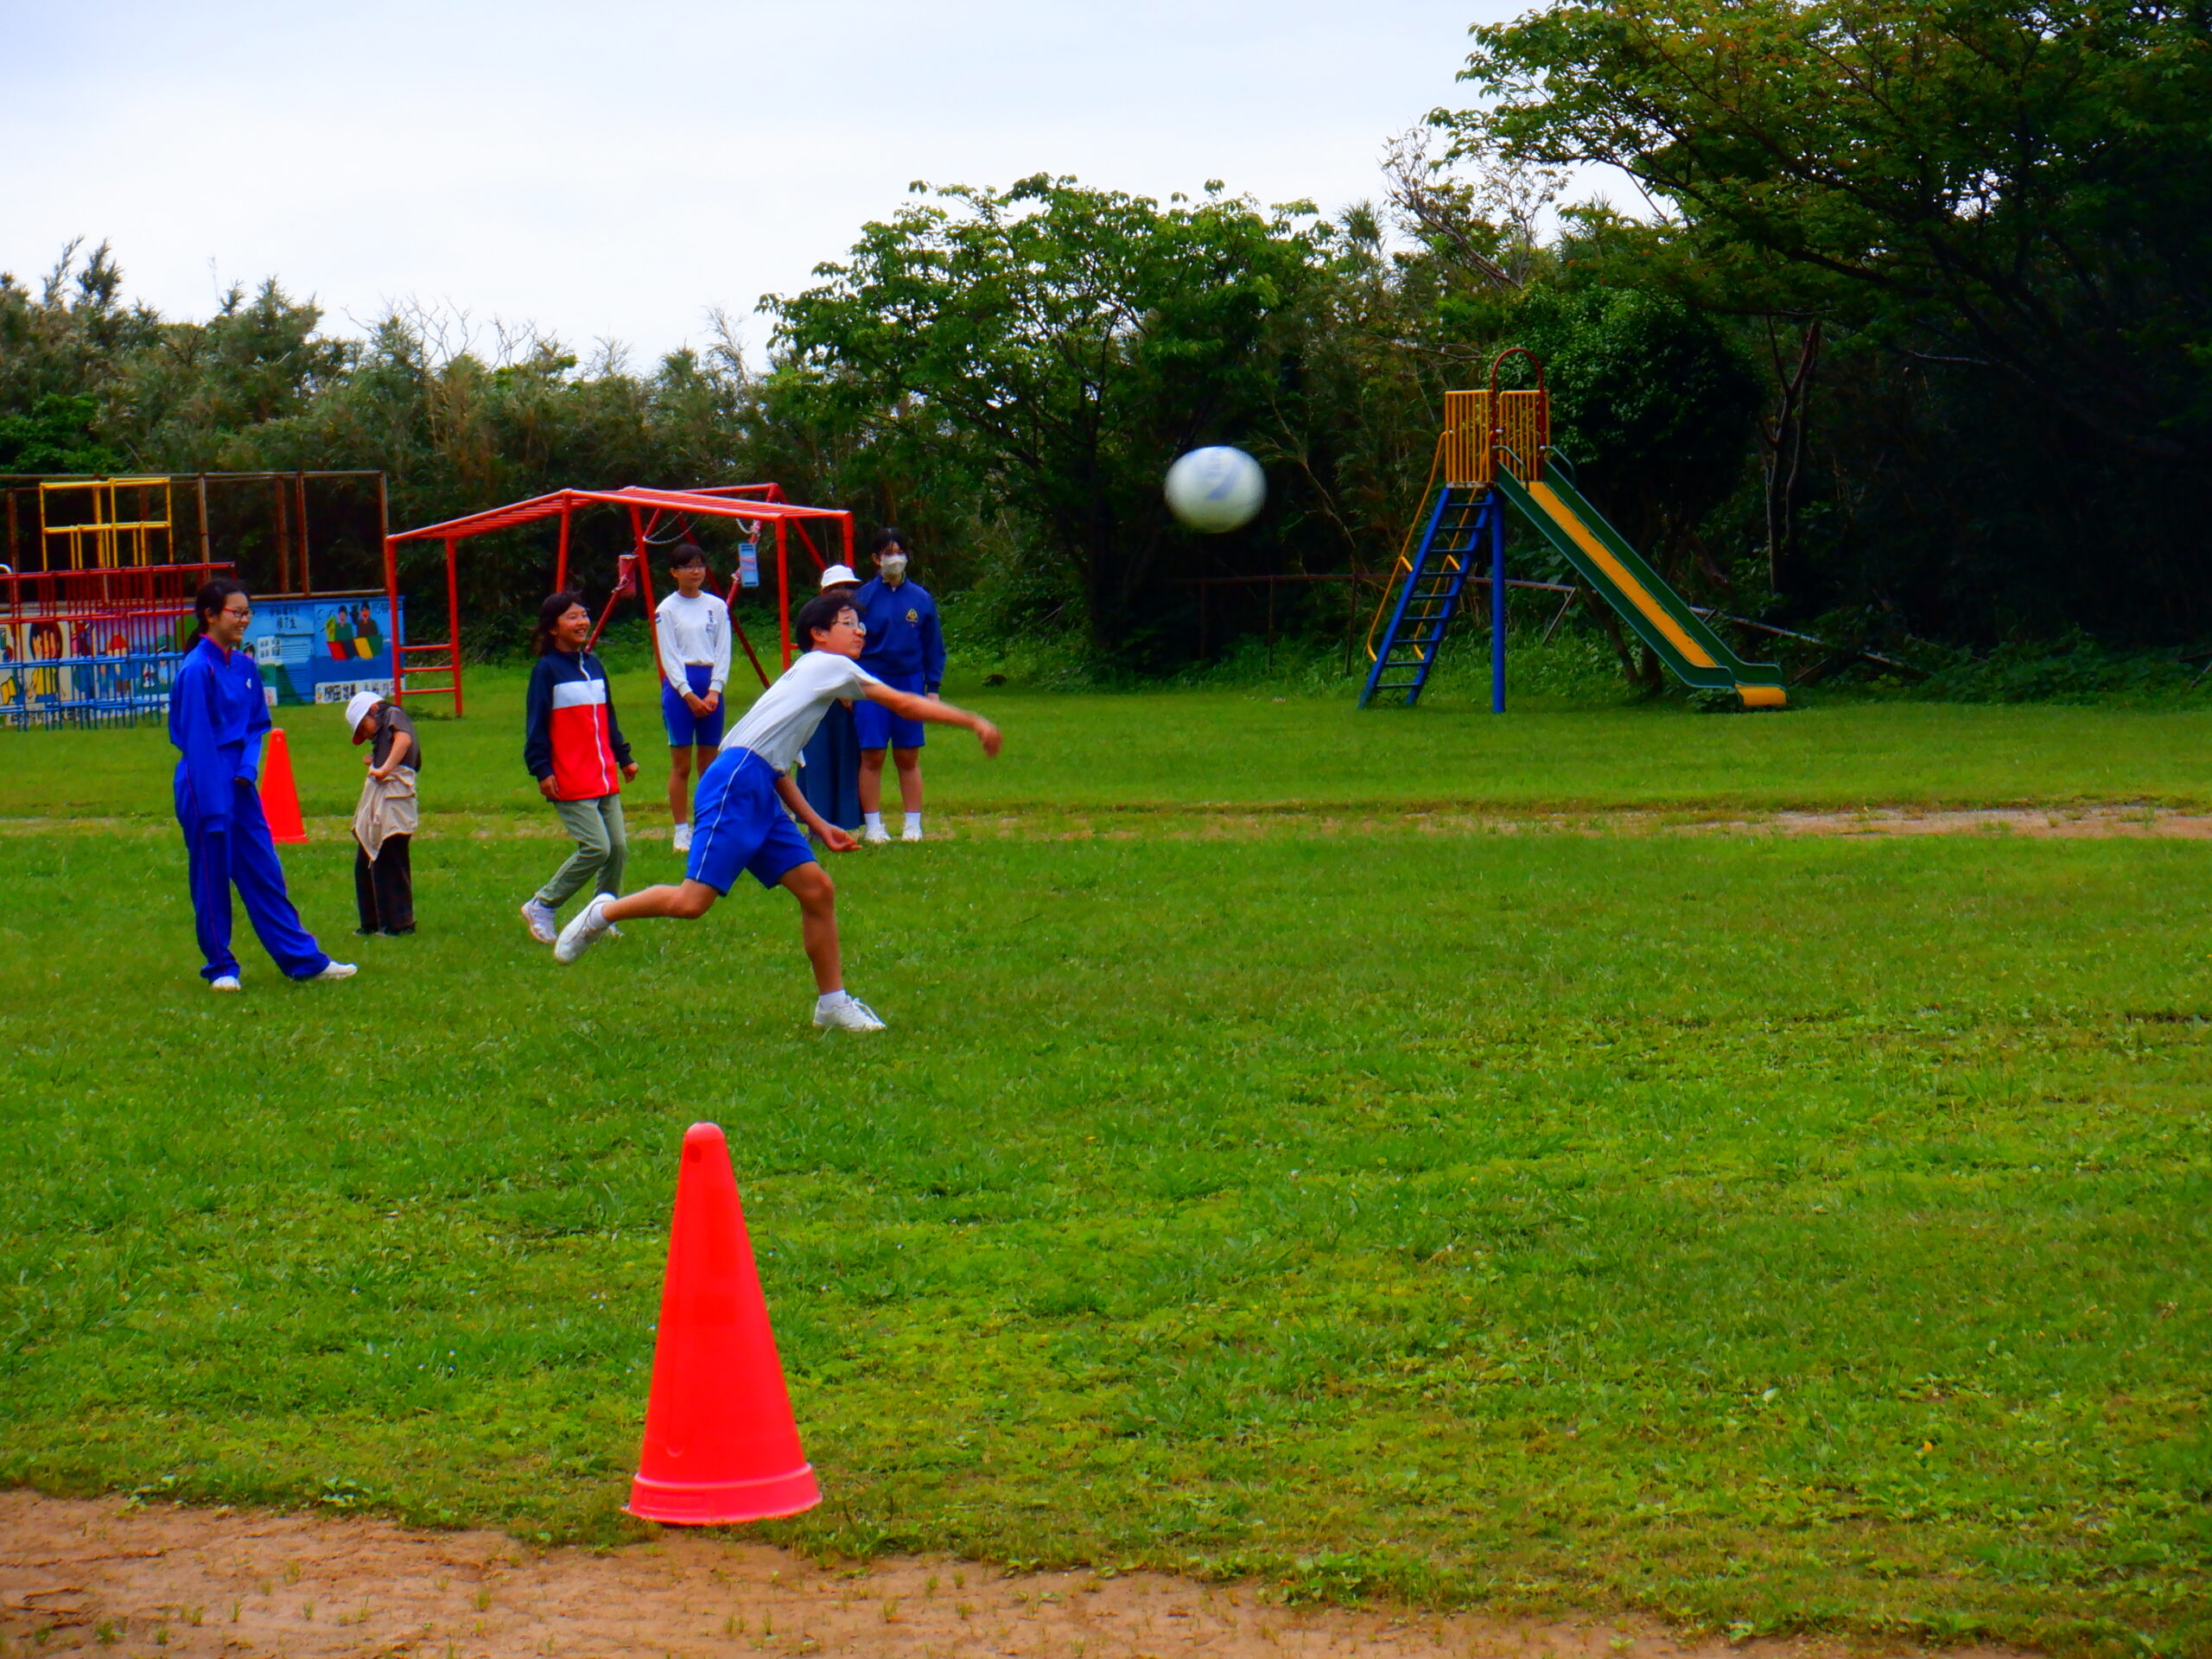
(913, 616)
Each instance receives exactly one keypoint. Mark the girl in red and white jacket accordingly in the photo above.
(573, 746)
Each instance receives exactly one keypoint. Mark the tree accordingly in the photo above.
(57, 436)
(1652, 402)
(69, 339)
(1061, 346)
(2019, 188)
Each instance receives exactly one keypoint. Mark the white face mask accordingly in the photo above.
(893, 565)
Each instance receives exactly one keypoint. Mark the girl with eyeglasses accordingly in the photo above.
(218, 714)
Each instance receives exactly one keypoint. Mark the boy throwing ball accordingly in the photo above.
(738, 823)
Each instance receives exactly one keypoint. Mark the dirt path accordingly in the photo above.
(2094, 821)
(102, 1576)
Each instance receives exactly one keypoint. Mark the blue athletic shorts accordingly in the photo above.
(686, 729)
(738, 822)
(879, 728)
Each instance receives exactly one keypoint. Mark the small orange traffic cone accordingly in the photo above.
(720, 1445)
(280, 796)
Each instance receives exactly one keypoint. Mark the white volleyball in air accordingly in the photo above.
(1216, 489)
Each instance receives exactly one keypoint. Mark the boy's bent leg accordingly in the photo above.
(260, 879)
(684, 901)
(818, 909)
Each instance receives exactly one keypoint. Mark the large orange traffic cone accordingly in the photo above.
(720, 1445)
(280, 796)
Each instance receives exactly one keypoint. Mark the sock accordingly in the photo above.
(875, 820)
(914, 822)
(828, 999)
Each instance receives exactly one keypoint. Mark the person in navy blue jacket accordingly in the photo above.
(905, 650)
(217, 716)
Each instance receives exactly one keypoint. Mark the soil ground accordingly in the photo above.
(2092, 822)
(104, 1575)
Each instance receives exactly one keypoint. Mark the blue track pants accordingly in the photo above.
(243, 853)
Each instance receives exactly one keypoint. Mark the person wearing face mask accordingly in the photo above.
(905, 650)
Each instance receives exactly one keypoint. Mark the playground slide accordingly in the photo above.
(1698, 655)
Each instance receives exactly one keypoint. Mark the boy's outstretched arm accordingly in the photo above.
(836, 840)
(909, 706)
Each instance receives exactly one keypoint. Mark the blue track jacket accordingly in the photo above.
(217, 714)
(903, 635)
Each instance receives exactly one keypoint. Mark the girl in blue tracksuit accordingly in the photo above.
(217, 716)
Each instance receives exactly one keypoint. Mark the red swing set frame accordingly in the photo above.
(751, 505)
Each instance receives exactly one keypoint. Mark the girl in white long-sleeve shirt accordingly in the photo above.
(691, 629)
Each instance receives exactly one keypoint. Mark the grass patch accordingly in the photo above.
(1771, 1234)
(1168, 749)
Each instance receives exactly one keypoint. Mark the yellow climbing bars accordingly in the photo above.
(1474, 446)
(112, 541)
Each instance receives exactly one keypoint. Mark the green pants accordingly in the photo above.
(603, 848)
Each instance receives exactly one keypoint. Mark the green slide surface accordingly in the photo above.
(1604, 559)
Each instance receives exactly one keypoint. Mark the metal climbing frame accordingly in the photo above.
(753, 505)
(1486, 432)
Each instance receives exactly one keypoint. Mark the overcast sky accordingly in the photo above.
(617, 169)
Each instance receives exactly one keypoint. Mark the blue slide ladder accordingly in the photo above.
(1459, 524)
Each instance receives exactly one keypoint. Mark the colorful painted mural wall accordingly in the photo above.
(93, 667)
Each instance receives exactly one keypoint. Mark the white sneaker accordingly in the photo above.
(336, 970)
(584, 930)
(875, 835)
(544, 925)
(681, 841)
(224, 982)
(851, 1014)
(912, 832)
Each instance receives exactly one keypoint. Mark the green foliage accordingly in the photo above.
(1652, 401)
(458, 423)
(1057, 346)
(2027, 185)
(1999, 214)
(55, 437)
(67, 338)
(2074, 670)
(1922, 334)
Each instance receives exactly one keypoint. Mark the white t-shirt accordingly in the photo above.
(776, 726)
(693, 630)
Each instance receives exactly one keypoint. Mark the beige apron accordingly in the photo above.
(387, 807)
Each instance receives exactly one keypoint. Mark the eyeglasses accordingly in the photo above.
(228, 611)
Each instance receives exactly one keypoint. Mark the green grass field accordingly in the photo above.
(1770, 1233)
(1146, 751)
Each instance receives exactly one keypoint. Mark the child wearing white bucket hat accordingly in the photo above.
(386, 818)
